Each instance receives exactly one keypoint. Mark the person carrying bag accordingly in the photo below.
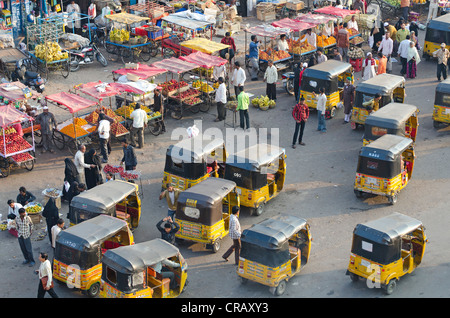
(45, 277)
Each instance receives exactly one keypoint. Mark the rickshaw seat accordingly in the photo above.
(271, 176)
(108, 245)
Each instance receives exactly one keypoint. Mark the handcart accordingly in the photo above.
(15, 151)
(8, 59)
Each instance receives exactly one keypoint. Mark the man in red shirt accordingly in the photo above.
(228, 40)
(343, 42)
(301, 115)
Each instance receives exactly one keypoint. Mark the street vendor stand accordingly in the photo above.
(324, 28)
(72, 132)
(120, 43)
(8, 58)
(341, 14)
(265, 31)
(180, 95)
(14, 149)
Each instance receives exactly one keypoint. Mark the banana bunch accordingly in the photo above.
(203, 86)
(263, 102)
(50, 51)
(3, 227)
(34, 209)
(117, 35)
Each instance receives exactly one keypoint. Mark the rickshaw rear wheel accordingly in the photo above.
(94, 290)
(354, 277)
(358, 193)
(436, 124)
(243, 280)
(390, 287)
(280, 289)
(216, 245)
(392, 199)
(258, 210)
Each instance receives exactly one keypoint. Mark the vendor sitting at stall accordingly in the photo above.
(283, 45)
(311, 37)
(228, 40)
(24, 197)
(352, 24)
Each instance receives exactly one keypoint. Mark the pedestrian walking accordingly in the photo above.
(238, 78)
(404, 6)
(158, 106)
(348, 99)
(242, 107)
(129, 156)
(51, 215)
(24, 227)
(171, 194)
(140, 121)
(432, 10)
(221, 100)
(169, 229)
(235, 235)
(45, 277)
(412, 61)
(386, 48)
(104, 128)
(271, 77)
(368, 67)
(47, 122)
(442, 54)
(321, 109)
(253, 55)
(382, 63)
(58, 227)
(301, 115)
(93, 175)
(80, 164)
(403, 49)
(343, 41)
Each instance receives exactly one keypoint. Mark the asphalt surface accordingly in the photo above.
(319, 188)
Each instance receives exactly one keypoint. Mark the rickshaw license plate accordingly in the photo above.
(372, 181)
(365, 263)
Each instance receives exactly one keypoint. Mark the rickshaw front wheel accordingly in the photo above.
(392, 199)
(390, 287)
(280, 289)
(94, 290)
(259, 210)
(216, 245)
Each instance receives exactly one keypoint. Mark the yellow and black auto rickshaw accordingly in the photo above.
(132, 271)
(438, 32)
(331, 75)
(386, 249)
(203, 212)
(116, 198)
(394, 118)
(192, 160)
(441, 112)
(390, 87)
(274, 250)
(79, 250)
(259, 172)
(385, 167)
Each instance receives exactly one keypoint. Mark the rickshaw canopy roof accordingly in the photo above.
(134, 258)
(193, 150)
(441, 23)
(393, 115)
(253, 157)
(104, 196)
(327, 70)
(85, 235)
(443, 87)
(126, 18)
(387, 148)
(273, 232)
(383, 84)
(385, 229)
(208, 192)
(204, 45)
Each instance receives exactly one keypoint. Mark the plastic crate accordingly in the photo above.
(141, 30)
(155, 34)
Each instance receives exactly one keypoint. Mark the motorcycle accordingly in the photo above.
(87, 55)
(288, 82)
(31, 79)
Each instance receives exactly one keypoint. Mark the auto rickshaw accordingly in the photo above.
(129, 271)
(115, 197)
(274, 250)
(385, 167)
(79, 250)
(203, 212)
(259, 172)
(385, 249)
(330, 74)
(394, 118)
(438, 31)
(193, 160)
(441, 112)
(390, 87)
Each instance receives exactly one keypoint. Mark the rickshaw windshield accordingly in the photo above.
(378, 168)
(442, 99)
(380, 253)
(310, 84)
(267, 257)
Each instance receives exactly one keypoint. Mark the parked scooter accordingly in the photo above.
(288, 82)
(31, 79)
(86, 55)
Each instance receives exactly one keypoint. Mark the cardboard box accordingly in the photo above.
(295, 5)
(265, 11)
(262, 16)
(232, 27)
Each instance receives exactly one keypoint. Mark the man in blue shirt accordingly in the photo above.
(254, 57)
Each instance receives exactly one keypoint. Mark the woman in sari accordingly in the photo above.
(93, 176)
(412, 60)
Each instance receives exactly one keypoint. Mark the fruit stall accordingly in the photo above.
(15, 151)
(77, 130)
(324, 28)
(174, 88)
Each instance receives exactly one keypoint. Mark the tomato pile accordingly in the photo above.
(22, 157)
(117, 129)
(112, 169)
(14, 143)
(193, 101)
(189, 93)
(172, 85)
(129, 175)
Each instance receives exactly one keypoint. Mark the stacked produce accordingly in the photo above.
(355, 53)
(353, 32)
(203, 86)
(172, 85)
(297, 47)
(22, 157)
(117, 129)
(112, 169)
(126, 110)
(324, 41)
(69, 130)
(192, 101)
(119, 36)
(207, 72)
(52, 192)
(110, 113)
(50, 51)
(92, 117)
(357, 40)
(130, 175)
(33, 208)
(186, 94)
(273, 55)
(14, 143)
(153, 115)
(394, 3)
(9, 130)
(3, 226)
(263, 102)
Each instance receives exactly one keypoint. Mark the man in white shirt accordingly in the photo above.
(310, 37)
(386, 47)
(432, 10)
(104, 127)
(321, 109)
(221, 100)
(55, 231)
(352, 24)
(13, 208)
(79, 163)
(140, 120)
(271, 78)
(219, 71)
(320, 56)
(238, 78)
(403, 49)
(283, 45)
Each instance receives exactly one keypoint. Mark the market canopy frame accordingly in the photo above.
(175, 65)
(73, 102)
(293, 25)
(204, 60)
(10, 115)
(204, 45)
(267, 31)
(143, 71)
(330, 10)
(126, 18)
(188, 20)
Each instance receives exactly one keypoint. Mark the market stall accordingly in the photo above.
(15, 151)
(324, 28)
(341, 14)
(120, 42)
(181, 96)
